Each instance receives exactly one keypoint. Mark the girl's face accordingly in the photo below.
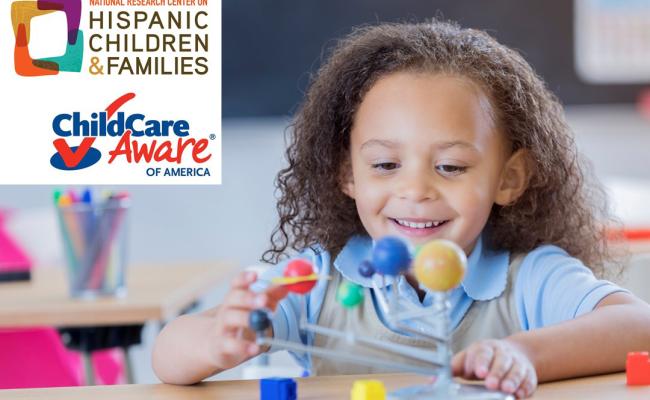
(427, 160)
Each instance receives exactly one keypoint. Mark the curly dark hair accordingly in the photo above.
(562, 205)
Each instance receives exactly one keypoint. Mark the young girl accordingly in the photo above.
(429, 131)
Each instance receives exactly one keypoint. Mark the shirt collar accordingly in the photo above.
(487, 272)
(357, 249)
(486, 277)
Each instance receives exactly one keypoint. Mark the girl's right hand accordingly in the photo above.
(232, 341)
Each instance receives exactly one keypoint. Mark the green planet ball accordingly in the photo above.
(349, 294)
(417, 249)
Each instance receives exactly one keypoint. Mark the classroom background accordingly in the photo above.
(594, 54)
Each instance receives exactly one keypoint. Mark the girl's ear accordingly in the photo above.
(346, 180)
(514, 178)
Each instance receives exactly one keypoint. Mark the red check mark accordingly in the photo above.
(72, 158)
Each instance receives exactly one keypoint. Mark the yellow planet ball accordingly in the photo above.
(440, 265)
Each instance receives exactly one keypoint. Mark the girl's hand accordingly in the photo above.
(231, 340)
(502, 364)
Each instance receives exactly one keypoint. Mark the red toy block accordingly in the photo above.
(637, 368)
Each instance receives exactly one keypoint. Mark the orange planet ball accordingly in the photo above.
(440, 265)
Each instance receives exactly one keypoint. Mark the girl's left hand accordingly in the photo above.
(502, 364)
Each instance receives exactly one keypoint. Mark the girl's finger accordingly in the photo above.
(274, 295)
(458, 363)
(477, 354)
(242, 298)
(468, 366)
(231, 346)
(243, 280)
(277, 292)
(235, 319)
(528, 385)
(480, 363)
(513, 380)
(501, 364)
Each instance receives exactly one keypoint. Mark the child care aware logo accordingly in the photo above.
(22, 13)
(134, 138)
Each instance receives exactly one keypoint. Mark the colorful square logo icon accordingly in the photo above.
(22, 13)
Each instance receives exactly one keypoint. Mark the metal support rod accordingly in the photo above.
(383, 303)
(398, 326)
(89, 371)
(128, 367)
(342, 356)
(408, 351)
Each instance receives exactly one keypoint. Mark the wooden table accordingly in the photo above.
(154, 293)
(334, 387)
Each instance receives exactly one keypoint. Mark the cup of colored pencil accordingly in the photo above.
(93, 231)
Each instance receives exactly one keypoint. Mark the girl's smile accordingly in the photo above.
(418, 227)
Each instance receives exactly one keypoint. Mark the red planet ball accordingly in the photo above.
(298, 268)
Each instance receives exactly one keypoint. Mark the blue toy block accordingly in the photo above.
(278, 389)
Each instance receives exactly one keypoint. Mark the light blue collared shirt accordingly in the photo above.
(551, 287)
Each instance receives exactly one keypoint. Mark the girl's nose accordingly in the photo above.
(417, 187)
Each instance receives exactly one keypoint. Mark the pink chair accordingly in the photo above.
(36, 357)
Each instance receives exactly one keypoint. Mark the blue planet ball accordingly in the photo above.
(390, 256)
(259, 320)
(366, 269)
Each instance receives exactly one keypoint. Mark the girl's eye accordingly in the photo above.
(451, 170)
(385, 166)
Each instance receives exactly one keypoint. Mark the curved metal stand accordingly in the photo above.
(398, 316)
